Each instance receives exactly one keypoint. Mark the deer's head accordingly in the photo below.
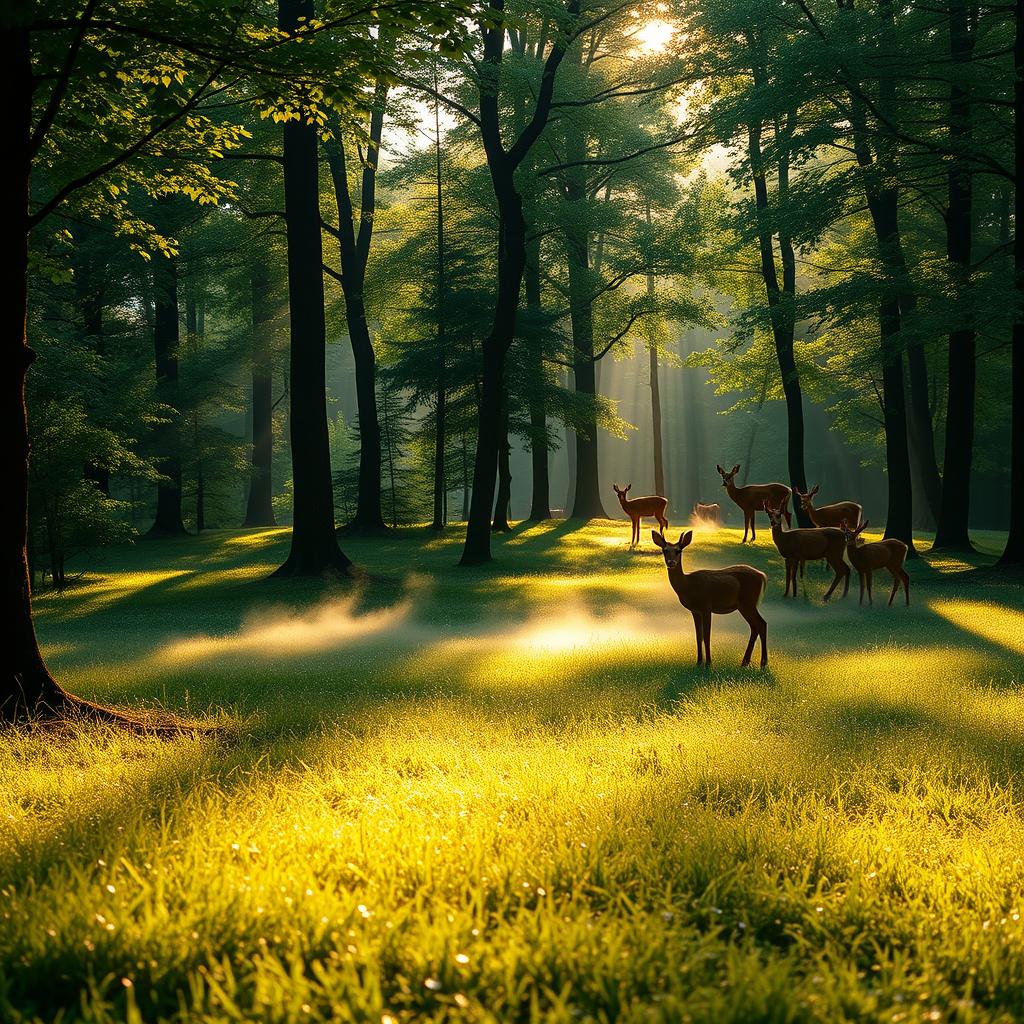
(673, 552)
(852, 536)
(727, 478)
(623, 491)
(774, 515)
(806, 500)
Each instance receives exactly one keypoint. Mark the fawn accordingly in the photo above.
(709, 513)
(798, 546)
(751, 499)
(636, 508)
(880, 554)
(827, 515)
(707, 592)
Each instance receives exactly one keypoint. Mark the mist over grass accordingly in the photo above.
(508, 793)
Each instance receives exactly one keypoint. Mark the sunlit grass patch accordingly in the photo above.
(993, 622)
(510, 794)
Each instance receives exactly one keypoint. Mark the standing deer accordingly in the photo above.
(827, 515)
(751, 499)
(652, 506)
(880, 554)
(707, 592)
(798, 546)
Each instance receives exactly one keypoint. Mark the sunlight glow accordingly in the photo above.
(654, 36)
(992, 622)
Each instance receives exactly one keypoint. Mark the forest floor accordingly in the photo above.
(509, 794)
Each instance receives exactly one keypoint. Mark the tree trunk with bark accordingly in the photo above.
(441, 387)
(952, 530)
(502, 163)
(354, 245)
(314, 546)
(259, 508)
(500, 523)
(166, 341)
(540, 497)
(781, 302)
(1013, 553)
(26, 686)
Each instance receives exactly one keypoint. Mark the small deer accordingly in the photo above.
(880, 554)
(751, 499)
(710, 513)
(707, 592)
(827, 515)
(798, 546)
(652, 506)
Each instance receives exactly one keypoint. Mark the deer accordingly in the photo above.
(827, 515)
(880, 554)
(710, 513)
(802, 545)
(751, 499)
(707, 592)
(653, 506)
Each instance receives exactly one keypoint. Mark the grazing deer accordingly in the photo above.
(827, 515)
(712, 513)
(751, 499)
(636, 508)
(707, 592)
(798, 546)
(880, 554)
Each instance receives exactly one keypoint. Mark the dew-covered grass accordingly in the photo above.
(509, 794)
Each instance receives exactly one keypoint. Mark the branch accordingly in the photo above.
(609, 161)
(63, 80)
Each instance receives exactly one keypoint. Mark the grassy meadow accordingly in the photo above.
(509, 794)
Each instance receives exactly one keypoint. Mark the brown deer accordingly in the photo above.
(880, 554)
(707, 592)
(751, 499)
(827, 515)
(710, 513)
(652, 506)
(798, 546)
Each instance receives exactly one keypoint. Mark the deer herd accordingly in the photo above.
(836, 531)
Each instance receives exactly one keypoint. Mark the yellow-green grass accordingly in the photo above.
(509, 794)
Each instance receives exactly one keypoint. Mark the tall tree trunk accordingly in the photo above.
(26, 687)
(440, 389)
(500, 523)
(540, 498)
(355, 250)
(781, 305)
(259, 508)
(502, 163)
(314, 546)
(952, 531)
(1013, 553)
(166, 340)
(899, 519)
(90, 294)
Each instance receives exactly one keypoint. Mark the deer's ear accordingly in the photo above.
(628, 488)
(736, 468)
(720, 470)
(814, 490)
(657, 538)
(685, 539)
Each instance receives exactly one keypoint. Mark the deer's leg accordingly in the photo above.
(906, 585)
(707, 638)
(746, 525)
(755, 629)
(698, 629)
(764, 638)
(835, 580)
(869, 574)
(860, 579)
(895, 586)
(753, 526)
(846, 578)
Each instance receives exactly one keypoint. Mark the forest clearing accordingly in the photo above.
(514, 512)
(514, 795)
